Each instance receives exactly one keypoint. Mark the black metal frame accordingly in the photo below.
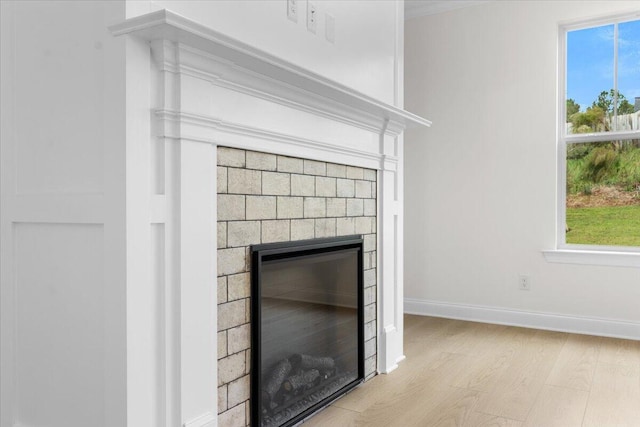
(276, 251)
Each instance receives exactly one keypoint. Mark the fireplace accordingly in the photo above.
(267, 198)
(307, 326)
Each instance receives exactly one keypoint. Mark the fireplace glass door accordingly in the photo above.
(307, 317)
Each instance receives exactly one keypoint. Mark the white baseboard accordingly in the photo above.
(526, 319)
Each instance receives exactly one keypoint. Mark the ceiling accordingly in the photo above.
(417, 8)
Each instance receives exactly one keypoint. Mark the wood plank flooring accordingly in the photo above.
(473, 374)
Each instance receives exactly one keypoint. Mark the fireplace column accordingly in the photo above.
(184, 181)
(390, 250)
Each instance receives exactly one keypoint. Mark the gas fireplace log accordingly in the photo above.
(273, 384)
(303, 381)
(306, 362)
(305, 400)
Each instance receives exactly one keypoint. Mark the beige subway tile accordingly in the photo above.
(369, 242)
(231, 157)
(222, 398)
(221, 234)
(231, 260)
(315, 207)
(238, 391)
(261, 207)
(370, 295)
(336, 207)
(325, 227)
(239, 285)
(289, 207)
(244, 181)
(290, 164)
(312, 167)
(222, 289)
(231, 368)
(302, 229)
(355, 207)
(231, 314)
(370, 347)
(363, 189)
(325, 187)
(355, 172)
(303, 185)
(346, 188)
(338, 171)
(243, 233)
(276, 183)
(363, 224)
(370, 207)
(231, 207)
(345, 226)
(275, 231)
(221, 179)
(370, 174)
(239, 338)
(261, 161)
(234, 417)
(369, 278)
(222, 344)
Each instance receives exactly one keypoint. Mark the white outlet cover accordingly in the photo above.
(292, 10)
(330, 28)
(312, 17)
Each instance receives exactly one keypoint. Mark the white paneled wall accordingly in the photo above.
(62, 215)
(59, 312)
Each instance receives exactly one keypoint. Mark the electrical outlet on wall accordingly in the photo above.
(312, 17)
(524, 282)
(292, 10)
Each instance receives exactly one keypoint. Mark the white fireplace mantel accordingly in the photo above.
(271, 75)
(208, 90)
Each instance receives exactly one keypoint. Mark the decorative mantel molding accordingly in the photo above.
(284, 79)
(180, 125)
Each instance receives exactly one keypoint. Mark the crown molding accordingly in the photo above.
(418, 8)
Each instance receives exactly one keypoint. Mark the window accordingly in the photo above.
(599, 136)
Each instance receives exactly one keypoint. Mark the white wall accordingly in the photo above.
(62, 215)
(362, 56)
(480, 184)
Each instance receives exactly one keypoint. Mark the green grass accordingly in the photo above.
(610, 226)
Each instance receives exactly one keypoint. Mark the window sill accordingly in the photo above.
(586, 257)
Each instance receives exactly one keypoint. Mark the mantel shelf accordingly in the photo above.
(333, 96)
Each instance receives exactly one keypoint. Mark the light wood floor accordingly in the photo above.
(473, 374)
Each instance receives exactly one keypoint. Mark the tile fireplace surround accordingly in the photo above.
(264, 198)
(273, 128)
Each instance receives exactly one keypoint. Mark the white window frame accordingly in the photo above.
(625, 256)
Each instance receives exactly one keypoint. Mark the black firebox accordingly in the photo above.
(307, 327)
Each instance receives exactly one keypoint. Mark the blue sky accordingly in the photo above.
(590, 62)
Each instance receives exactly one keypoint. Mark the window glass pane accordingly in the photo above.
(629, 75)
(603, 193)
(590, 82)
